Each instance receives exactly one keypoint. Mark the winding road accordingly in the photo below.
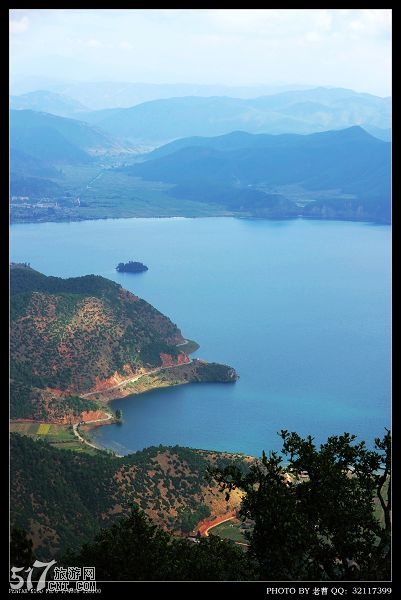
(134, 378)
(81, 439)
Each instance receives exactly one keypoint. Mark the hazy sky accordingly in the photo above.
(337, 47)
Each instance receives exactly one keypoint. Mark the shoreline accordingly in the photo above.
(104, 396)
(90, 442)
(192, 371)
(126, 382)
(218, 216)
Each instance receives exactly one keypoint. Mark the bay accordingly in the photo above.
(300, 308)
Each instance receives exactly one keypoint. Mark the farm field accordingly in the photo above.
(59, 436)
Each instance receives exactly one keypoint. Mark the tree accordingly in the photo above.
(314, 518)
(134, 549)
(21, 553)
(119, 414)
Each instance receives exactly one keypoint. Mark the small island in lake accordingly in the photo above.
(131, 267)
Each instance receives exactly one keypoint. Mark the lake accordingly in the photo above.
(300, 308)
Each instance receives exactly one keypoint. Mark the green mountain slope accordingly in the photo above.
(58, 139)
(76, 333)
(63, 498)
(87, 335)
(24, 165)
(257, 172)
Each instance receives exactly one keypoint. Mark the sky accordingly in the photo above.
(348, 48)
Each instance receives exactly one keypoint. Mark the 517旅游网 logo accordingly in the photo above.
(64, 579)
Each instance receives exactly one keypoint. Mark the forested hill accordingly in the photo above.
(74, 334)
(334, 174)
(62, 498)
(69, 337)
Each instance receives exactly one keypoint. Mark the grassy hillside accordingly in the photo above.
(63, 498)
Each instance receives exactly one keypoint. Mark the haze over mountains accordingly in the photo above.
(162, 120)
(98, 95)
(307, 111)
(57, 139)
(49, 102)
(299, 152)
(41, 142)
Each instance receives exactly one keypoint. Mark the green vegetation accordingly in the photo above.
(135, 550)
(67, 334)
(67, 169)
(210, 372)
(315, 518)
(21, 553)
(190, 518)
(131, 267)
(24, 279)
(189, 346)
(103, 193)
(193, 372)
(63, 498)
(201, 169)
(229, 531)
(28, 402)
(57, 435)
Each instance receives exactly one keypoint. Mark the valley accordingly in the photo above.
(112, 164)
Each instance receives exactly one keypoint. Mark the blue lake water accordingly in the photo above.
(300, 308)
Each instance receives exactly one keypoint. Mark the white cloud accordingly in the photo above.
(313, 36)
(372, 22)
(92, 43)
(227, 46)
(19, 25)
(124, 45)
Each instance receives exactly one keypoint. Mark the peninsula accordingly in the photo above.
(76, 344)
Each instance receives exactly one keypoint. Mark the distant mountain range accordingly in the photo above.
(281, 175)
(98, 95)
(49, 102)
(168, 117)
(297, 152)
(302, 111)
